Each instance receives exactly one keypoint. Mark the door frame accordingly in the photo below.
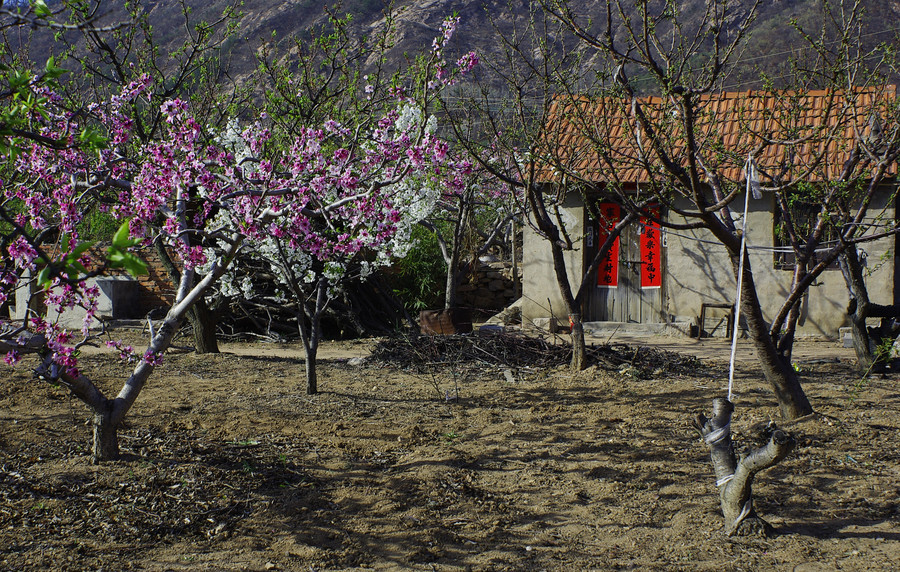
(628, 301)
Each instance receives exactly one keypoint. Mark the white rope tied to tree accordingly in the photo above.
(714, 437)
(752, 188)
(724, 480)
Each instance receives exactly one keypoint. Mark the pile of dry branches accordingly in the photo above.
(512, 350)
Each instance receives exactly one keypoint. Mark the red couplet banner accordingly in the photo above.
(608, 273)
(651, 271)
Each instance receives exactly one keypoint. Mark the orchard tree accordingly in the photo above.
(469, 219)
(335, 191)
(502, 123)
(56, 189)
(380, 162)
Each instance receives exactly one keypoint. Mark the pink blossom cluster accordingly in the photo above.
(21, 252)
(12, 357)
(443, 76)
(126, 352)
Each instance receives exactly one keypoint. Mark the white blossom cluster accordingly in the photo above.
(414, 196)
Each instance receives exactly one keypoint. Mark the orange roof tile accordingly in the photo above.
(802, 136)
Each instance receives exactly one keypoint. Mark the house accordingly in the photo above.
(663, 278)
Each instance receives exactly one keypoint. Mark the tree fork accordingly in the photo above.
(734, 476)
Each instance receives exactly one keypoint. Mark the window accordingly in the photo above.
(805, 216)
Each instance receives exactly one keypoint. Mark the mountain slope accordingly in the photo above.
(772, 42)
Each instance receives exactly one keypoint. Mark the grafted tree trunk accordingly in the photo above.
(734, 476)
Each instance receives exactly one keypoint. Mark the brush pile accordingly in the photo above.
(512, 350)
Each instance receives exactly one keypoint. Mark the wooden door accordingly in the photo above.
(625, 301)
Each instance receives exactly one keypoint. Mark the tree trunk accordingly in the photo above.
(312, 381)
(579, 348)
(454, 275)
(310, 341)
(199, 316)
(453, 278)
(517, 283)
(792, 401)
(311, 335)
(106, 437)
(859, 333)
(866, 345)
(203, 326)
(734, 477)
(573, 309)
(785, 345)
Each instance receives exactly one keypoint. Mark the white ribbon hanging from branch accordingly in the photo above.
(754, 189)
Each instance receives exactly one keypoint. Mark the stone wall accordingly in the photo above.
(490, 287)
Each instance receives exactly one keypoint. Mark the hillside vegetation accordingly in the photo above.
(264, 22)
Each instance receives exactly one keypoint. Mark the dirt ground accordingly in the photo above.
(229, 466)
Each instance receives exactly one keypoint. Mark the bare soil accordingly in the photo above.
(227, 465)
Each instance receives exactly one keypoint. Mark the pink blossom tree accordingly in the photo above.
(365, 141)
(334, 191)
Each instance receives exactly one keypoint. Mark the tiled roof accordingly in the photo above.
(804, 136)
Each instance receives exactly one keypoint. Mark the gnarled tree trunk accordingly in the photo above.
(734, 476)
(867, 342)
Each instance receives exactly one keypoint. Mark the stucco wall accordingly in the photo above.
(538, 278)
(698, 271)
